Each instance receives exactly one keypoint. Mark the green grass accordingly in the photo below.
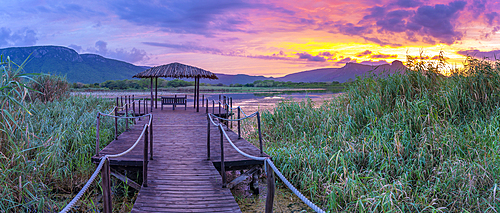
(414, 142)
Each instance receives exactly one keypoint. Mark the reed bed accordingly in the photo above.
(417, 141)
(46, 145)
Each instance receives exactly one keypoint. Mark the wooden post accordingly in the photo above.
(151, 138)
(208, 136)
(207, 106)
(145, 106)
(270, 189)
(152, 95)
(133, 109)
(239, 123)
(156, 93)
(203, 100)
(231, 103)
(126, 115)
(145, 160)
(139, 109)
(194, 97)
(260, 134)
(198, 96)
(222, 167)
(121, 101)
(219, 111)
(97, 134)
(106, 187)
(213, 107)
(116, 119)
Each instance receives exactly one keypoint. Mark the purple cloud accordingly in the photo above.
(408, 3)
(437, 21)
(492, 55)
(345, 61)
(23, 37)
(374, 63)
(490, 17)
(132, 56)
(186, 47)
(310, 57)
(366, 52)
(383, 56)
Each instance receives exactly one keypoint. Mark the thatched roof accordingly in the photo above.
(175, 70)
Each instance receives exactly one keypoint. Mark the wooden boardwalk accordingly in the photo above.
(180, 178)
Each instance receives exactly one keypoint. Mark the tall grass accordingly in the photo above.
(45, 145)
(416, 141)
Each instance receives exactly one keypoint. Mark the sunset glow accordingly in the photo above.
(270, 38)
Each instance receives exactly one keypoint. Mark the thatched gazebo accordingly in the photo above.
(176, 70)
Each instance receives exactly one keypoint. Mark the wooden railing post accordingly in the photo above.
(203, 100)
(207, 106)
(121, 101)
(139, 109)
(151, 139)
(97, 134)
(116, 119)
(219, 111)
(213, 107)
(145, 160)
(231, 103)
(270, 189)
(222, 166)
(239, 123)
(208, 136)
(126, 115)
(106, 187)
(260, 134)
(133, 109)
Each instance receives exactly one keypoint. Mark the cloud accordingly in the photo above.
(493, 54)
(490, 17)
(374, 63)
(383, 56)
(437, 21)
(477, 7)
(326, 54)
(186, 47)
(132, 56)
(408, 3)
(345, 61)
(22, 37)
(366, 52)
(75, 47)
(206, 18)
(351, 29)
(310, 57)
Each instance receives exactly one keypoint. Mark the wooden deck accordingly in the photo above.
(180, 178)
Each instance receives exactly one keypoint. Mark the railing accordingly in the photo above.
(269, 166)
(104, 165)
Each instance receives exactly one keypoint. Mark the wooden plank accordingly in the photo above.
(180, 178)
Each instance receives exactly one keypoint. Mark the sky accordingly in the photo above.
(261, 37)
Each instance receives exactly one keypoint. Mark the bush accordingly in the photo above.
(49, 88)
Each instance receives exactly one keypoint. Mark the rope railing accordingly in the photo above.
(268, 163)
(104, 166)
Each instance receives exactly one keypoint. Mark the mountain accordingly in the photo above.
(349, 72)
(91, 68)
(84, 68)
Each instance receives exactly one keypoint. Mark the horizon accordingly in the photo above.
(259, 38)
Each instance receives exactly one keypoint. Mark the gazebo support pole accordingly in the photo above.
(194, 96)
(151, 94)
(198, 96)
(156, 92)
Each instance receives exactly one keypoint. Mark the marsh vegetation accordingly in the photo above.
(417, 141)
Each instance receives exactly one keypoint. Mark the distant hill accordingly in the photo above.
(92, 68)
(349, 72)
(85, 68)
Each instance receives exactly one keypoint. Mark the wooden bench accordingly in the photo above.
(174, 101)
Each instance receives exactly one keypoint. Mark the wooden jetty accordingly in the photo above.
(180, 178)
